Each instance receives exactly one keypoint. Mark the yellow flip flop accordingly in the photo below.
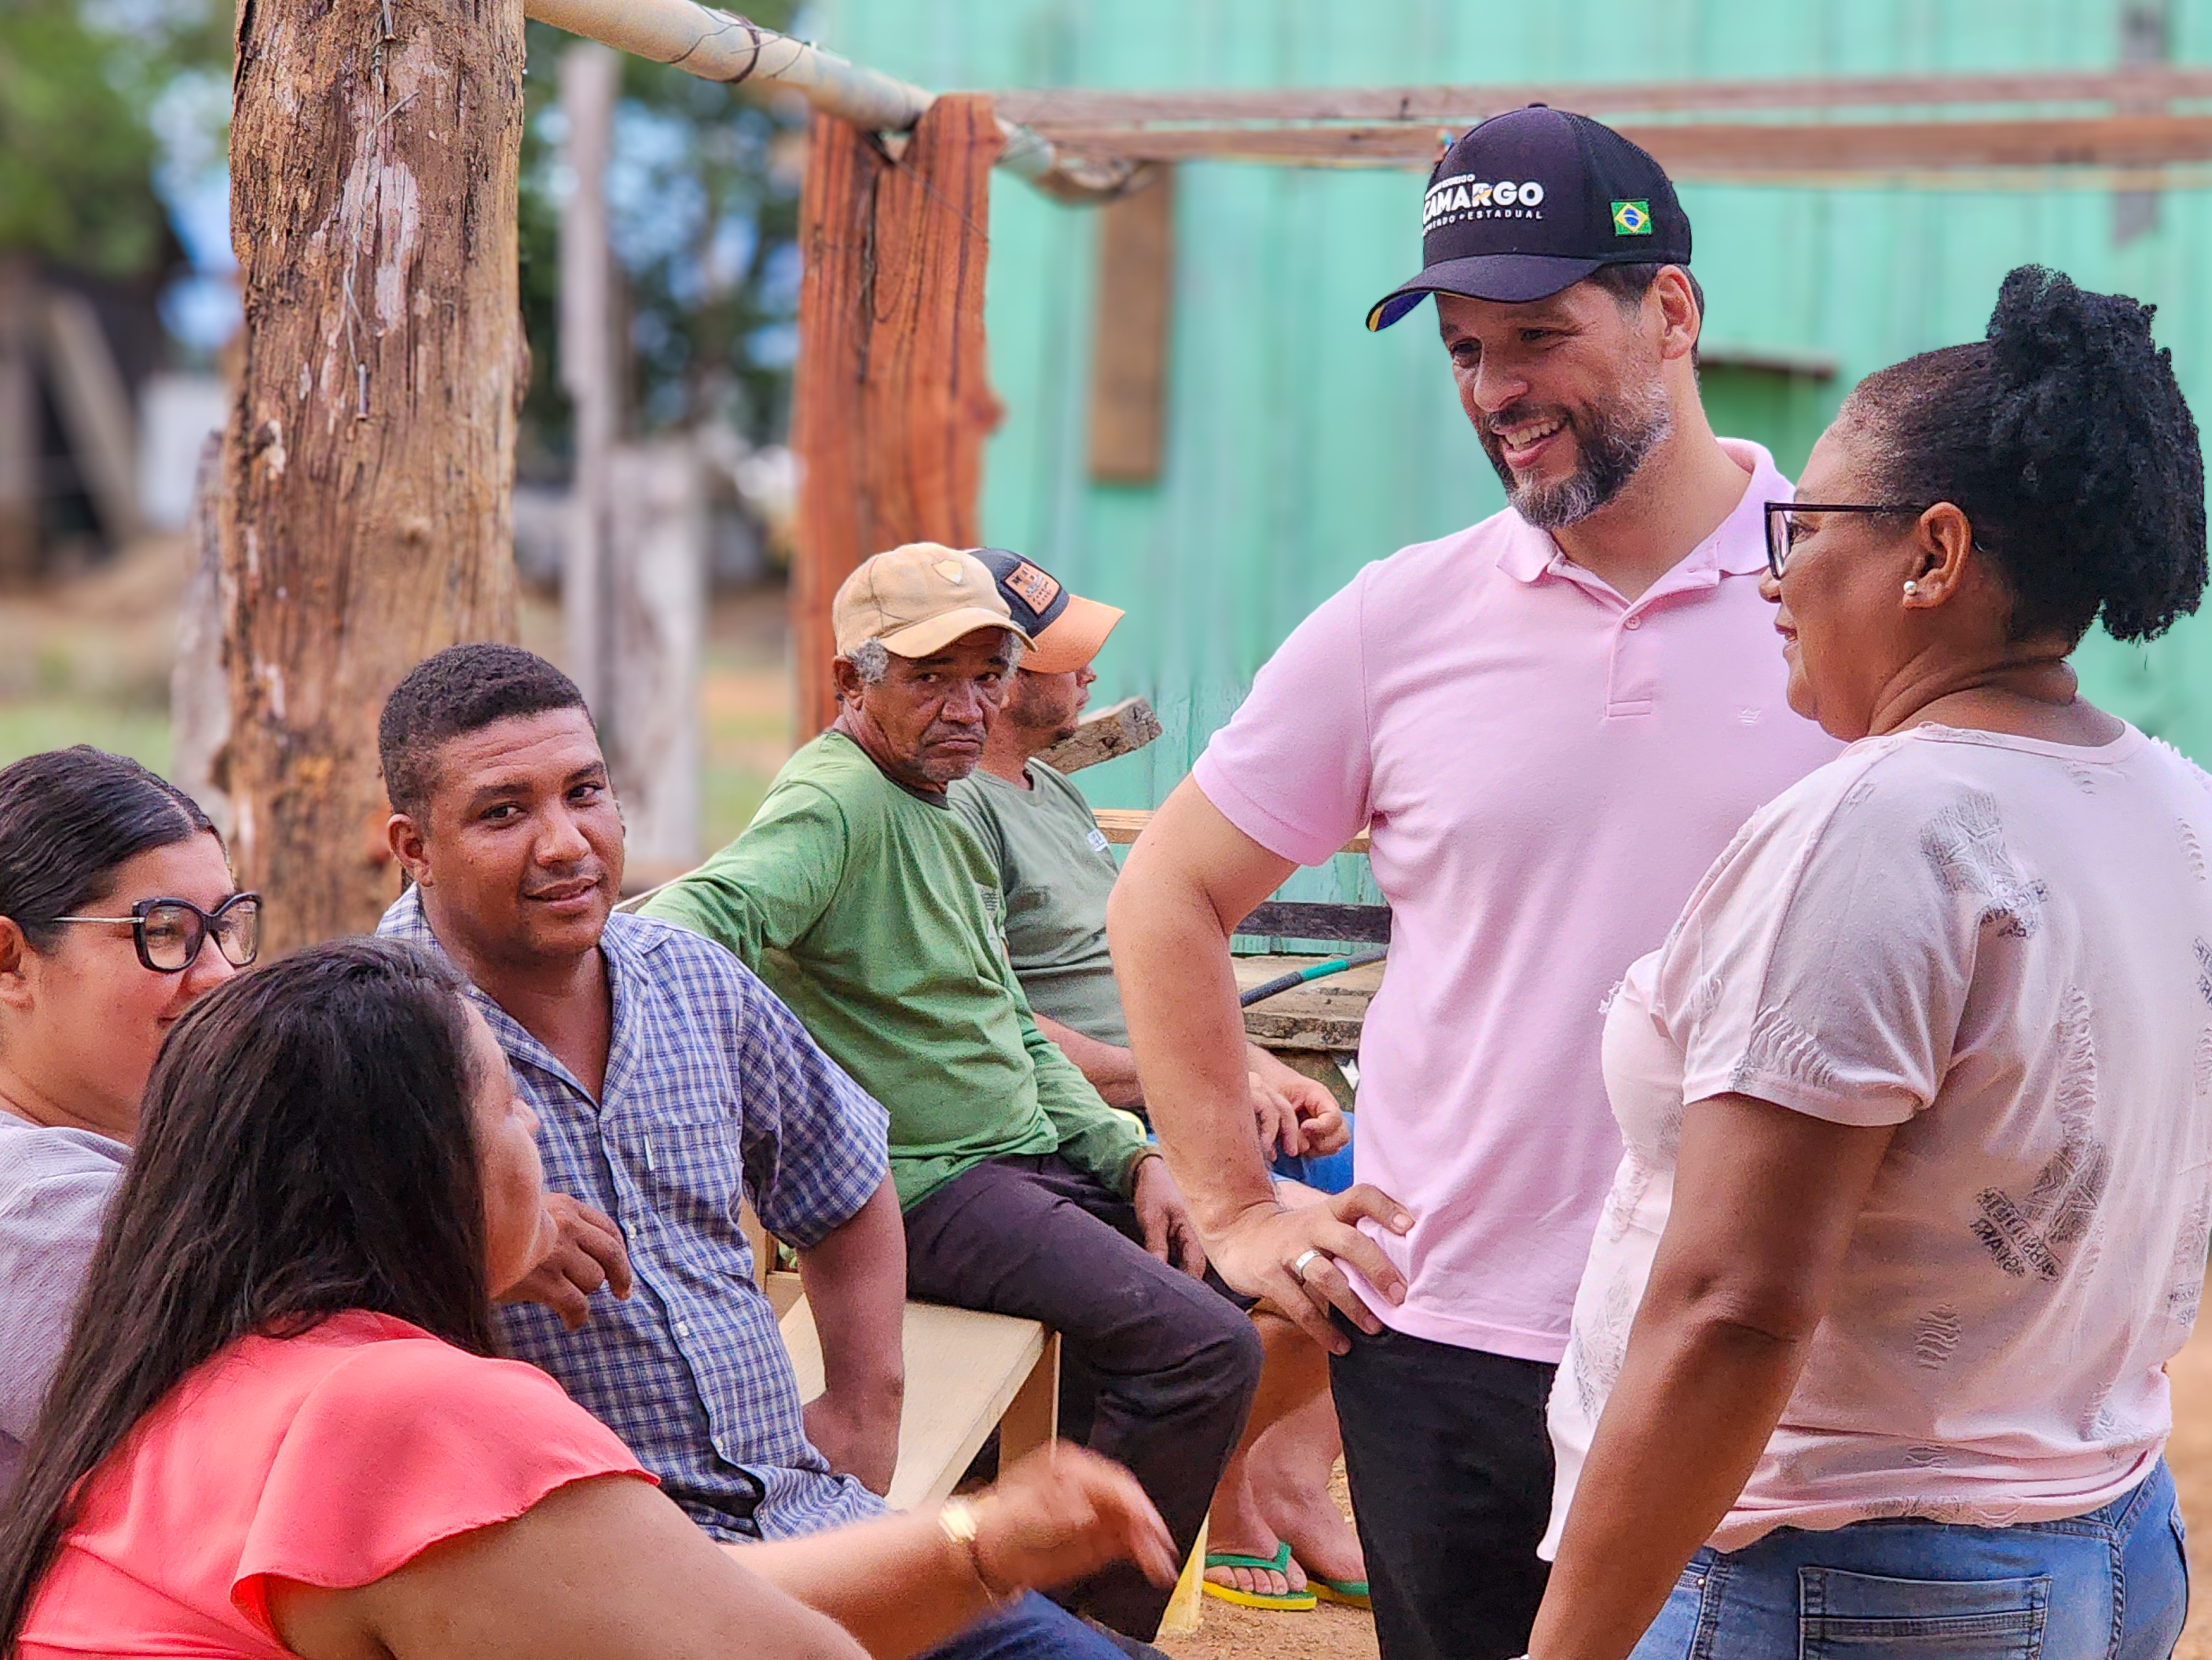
(1294, 1601)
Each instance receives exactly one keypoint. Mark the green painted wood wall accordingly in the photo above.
(1299, 447)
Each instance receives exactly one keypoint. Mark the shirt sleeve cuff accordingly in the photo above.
(1873, 1104)
(1284, 841)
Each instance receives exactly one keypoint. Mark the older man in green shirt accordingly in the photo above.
(868, 905)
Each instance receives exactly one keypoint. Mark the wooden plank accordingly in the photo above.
(1352, 924)
(1051, 109)
(95, 405)
(1123, 825)
(1796, 150)
(965, 1371)
(892, 398)
(1326, 1015)
(1121, 728)
(20, 446)
(1129, 345)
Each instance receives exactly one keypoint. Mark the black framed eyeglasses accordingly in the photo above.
(169, 933)
(1780, 531)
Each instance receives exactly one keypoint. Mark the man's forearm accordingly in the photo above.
(1179, 996)
(1111, 1070)
(855, 1281)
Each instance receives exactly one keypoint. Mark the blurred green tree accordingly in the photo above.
(703, 206)
(78, 78)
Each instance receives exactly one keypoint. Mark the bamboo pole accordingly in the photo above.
(719, 45)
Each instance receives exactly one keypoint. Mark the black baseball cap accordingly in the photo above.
(1064, 629)
(1532, 201)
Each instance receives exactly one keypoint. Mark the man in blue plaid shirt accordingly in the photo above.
(669, 1083)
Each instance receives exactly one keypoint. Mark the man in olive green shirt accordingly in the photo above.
(1056, 873)
(867, 905)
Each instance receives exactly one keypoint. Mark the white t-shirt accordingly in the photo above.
(2004, 947)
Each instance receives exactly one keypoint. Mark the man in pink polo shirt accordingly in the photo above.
(1552, 723)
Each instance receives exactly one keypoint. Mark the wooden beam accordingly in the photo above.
(1123, 825)
(892, 398)
(1130, 345)
(1367, 925)
(1123, 729)
(1798, 149)
(365, 521)
(1050, 111)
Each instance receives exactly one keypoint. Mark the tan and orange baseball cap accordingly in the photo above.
(1066, 629)
(918, 600)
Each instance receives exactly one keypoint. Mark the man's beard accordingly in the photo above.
(1610, 446)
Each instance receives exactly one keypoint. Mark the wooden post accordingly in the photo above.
(20, 446)
(199, 685)
(370, 453)
(891, 400)
(591, 74)
(657, 541)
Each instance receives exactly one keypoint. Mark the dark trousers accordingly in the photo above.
(1160, 1367)
(1451, 1466)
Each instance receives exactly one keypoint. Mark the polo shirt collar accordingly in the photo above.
(1738, 548)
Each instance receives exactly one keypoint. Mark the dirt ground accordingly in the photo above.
(1338, 1633)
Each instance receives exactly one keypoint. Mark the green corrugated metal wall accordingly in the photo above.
(1299, 447)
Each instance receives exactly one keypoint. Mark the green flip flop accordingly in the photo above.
(1352, 1593)
(1295, 1602)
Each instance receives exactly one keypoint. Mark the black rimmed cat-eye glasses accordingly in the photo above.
(170, 933)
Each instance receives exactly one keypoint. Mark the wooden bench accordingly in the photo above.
(967, 1374)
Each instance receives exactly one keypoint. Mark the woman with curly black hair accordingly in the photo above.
(1918, 1096)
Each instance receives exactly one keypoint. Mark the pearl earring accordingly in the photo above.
(1910, 588)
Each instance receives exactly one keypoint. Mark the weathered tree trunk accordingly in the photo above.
(370, 453)
(891, 401)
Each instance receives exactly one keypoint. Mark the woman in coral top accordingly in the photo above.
(280, 1428)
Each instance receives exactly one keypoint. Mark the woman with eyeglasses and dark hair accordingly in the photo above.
(117, 910)
(1916, 1098)
(280, 1426)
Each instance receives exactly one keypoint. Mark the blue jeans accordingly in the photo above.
(1324, 1172)
(1031, 1629)
(2110, 1585)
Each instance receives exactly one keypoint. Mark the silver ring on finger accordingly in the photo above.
(1298, 1268)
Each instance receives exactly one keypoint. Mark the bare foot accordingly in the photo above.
(1237, 1526)
(1320, 1539)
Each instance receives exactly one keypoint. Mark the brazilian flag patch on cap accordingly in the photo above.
(1631, 218)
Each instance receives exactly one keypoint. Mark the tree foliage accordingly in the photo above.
(702, 198)
(77, 79)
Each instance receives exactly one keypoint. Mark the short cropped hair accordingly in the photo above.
(1628, 284)
(464, 689)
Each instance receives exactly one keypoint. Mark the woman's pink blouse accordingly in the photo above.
(330, 1459)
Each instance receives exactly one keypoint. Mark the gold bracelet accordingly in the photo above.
(956, 1520)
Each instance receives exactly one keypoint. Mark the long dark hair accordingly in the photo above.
(308, 1147)
(68, 818)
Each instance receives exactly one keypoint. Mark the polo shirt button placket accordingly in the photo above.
(1631, 679)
